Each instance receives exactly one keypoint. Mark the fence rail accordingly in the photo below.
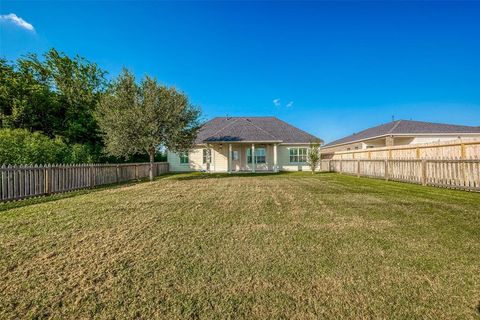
(458, 174)
(456, 149)
(20, 182)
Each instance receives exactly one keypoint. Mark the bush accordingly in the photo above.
(19, 146)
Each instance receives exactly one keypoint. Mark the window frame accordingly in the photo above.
(206, 156)
(260, 159)
(303, 156)
(298, 155)
(183, 156)
(257, 156)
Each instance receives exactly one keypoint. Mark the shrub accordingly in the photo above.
(19, 146)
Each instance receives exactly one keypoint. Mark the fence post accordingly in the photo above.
(48, 178)
(386, 170)
(358, 168)
(92, 176)
(117, 168)
(136, 171)
(424, 172)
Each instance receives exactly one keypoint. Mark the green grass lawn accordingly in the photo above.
(269, 246)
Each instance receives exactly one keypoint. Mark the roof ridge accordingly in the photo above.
(229, 124)
(394, 127)
(290, 125)
(271, 135)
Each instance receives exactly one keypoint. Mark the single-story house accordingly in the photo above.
(399, 133)
(246, 144)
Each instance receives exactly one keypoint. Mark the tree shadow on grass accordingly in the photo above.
(206, 175)
(4, 206)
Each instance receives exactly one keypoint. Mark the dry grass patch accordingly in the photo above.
(274, 246)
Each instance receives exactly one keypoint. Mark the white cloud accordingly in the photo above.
(13, 18)
(289, 104)
(276, 102)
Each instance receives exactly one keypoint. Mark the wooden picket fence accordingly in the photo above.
(455, 149)
(457, 173)
(20, 182)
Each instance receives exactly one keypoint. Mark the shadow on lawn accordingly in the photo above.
(206, 175)
(69, 194)
(174, 176)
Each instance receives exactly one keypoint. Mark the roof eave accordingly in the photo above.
(246, 141)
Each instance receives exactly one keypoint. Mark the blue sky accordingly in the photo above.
(335, 67)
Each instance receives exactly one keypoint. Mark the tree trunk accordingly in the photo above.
(151, 154)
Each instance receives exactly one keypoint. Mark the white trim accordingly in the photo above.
(254, 163)
(229, 159)
(275, 158)
(297, 143)
(298, 155)
(240, 142)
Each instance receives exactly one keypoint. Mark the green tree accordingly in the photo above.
(26, 102)
(56, 95)
(313, 157)
(136, 119)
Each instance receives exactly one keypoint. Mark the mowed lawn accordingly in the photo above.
(202, 246)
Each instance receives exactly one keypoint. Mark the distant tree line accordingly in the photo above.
(50, 112)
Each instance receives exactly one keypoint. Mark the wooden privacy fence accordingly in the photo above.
(458, 174)
(20, 182)
(456, 149)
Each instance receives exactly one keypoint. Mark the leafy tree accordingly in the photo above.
(313, 157)
(26, 102)
(56, 95)
(137, 119)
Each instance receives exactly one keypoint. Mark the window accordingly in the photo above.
(298, 155)
(302, 154)
(234, 155)
(260, 155)
(207, 155)
(184, 158)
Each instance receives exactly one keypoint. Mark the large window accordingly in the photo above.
(207, 155)
(260, 155)
(298, 155)
(184, 158)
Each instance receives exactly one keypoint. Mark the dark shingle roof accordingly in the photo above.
(402, 127)
(252, 129)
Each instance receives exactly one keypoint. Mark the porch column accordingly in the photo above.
(230, 158)
(212, 158)
(275, 164)
(253, 158)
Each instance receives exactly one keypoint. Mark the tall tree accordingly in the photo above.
(56, 95)
(136, 119)
(25, 101)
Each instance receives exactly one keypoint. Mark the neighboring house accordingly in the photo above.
(399, 133)
(226, 144)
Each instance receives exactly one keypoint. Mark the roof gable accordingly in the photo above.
(251, 129)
